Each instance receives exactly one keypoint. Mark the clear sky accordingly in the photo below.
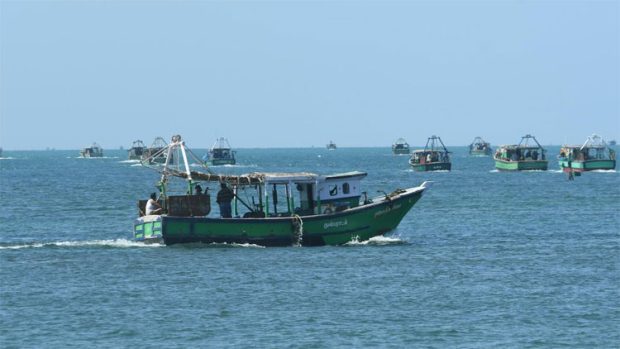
(302, 73)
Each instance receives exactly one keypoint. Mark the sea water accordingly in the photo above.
(485, 259)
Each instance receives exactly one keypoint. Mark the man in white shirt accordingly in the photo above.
(152, 207)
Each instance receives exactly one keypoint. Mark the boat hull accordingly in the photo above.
(401, 151)
(525, 165)
(588, 165)
(220, 162)
(359, 223)
(480, 152)
(432, 166)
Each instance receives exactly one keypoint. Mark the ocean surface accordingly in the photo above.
(486, 259)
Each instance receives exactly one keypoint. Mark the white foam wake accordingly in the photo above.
(118, 243)
(376, 241)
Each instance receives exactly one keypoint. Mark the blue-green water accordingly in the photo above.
(484, 260)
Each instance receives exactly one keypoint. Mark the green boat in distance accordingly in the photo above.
(479, 147)
(303, 209)
(157, 153)
(400, 147)
(594, 154)
(434, 156)
(136, 151)
(528, 155)
(94, 151)
(220, 153)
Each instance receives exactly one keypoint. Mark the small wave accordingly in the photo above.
(603, 171)
(93, 158)
(119, 243)
(130, 161)
(217, 245)
(7, 158)
(376, 241)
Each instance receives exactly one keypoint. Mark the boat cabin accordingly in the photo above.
(429, 156)
(519, 153)
(304, 194)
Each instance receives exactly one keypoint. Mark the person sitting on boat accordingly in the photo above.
(198, 189)
(224, 197)
(152, 206)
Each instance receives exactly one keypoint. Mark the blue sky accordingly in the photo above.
(301, 73)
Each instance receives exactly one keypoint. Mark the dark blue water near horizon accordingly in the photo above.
(485, 259)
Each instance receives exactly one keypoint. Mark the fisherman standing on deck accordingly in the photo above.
(224, 197)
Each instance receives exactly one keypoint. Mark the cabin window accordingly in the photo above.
(334, 191)
(345, 188)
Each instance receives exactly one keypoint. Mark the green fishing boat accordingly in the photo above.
(528, 155)
(479, 147)
(594, 154)
(400, 147)
(94, 151)
(157, 153)
(434, 157)
(220, 154)
(284, 209)
(136, 151)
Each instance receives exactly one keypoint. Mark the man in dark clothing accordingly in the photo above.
(224, 197)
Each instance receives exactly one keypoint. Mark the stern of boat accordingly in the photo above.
(148, 229)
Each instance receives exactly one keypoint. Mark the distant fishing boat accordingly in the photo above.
(612, 143)
(434, 157)
(220, 153)
(136, 151)
(594, 154)
(400, 147)
(331, 145)
(479, 147)
(94, 151)
(301, 208)
(156, 153)
(526, 156)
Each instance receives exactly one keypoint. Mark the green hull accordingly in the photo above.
(433, 166)
(526, 165)
(361, 223)
(588, 165)
(220, 162)
(480, 152)
(401, 151)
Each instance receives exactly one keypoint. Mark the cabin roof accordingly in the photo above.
(586, 147)
(422, 151)
(347, 175)
(516, 146)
